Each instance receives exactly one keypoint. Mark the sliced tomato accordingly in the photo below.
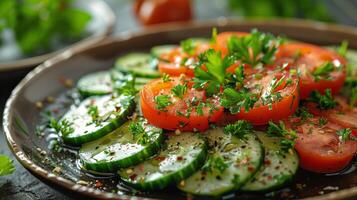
(319, 147)
(306, 58)
(178, 62)
(183, 113)
(343, 114)
(222, 39)
(265, 110)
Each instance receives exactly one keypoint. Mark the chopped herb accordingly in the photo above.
(239, 72)
(322, 121)
(254, 49)
(323, 71)
(215, 162)
(324, 102)
(236, 100)
(93, 112)
(344, 134)
(199, 108)
(215, 75)
(64, 126)
(236, 179)
(276, 83)
(162, 101)
(183, 61)
(6, 165)
(179, 90)
(240, 129)
(188, 46)
(139, 133)
(125, 85)
(214, 35)
(303, 113)
(343, 48)
(166, 78)
(279, 130)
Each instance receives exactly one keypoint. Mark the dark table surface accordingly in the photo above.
(21, 184)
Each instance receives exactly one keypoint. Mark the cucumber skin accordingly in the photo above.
(86, 93)
(173, 178)
(127, 162)
(145, 74)
(115, 123)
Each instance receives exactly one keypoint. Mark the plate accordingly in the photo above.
(21, 114)
(98, 28)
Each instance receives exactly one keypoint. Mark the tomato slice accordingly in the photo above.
(222, 39)
(270, 106)
(319, 147)
(191, 112)
(177, 62)
(342, 115)
(307, 58)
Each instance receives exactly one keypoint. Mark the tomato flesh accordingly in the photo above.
(307, 58)
(180, 114)
(319, 147)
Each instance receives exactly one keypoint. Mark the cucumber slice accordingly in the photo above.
(98, 83)
(121, 148)
(139, 64)
(139, 81)
(78, 126)
(182, 156)
(231, 163)
(278, 169)
(157, 51)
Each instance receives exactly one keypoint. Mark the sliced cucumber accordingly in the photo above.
(139, 64)
(98, 83)
(157, 51)
(231, 163)
(121, 148)
(279, 167)
(78, 126)
(182, 156)
(139, 81)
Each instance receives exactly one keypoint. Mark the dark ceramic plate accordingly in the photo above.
(21, 115)
(100, 26)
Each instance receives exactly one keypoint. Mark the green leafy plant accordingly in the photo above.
(325, 101)
(6, 165)
(38, 24)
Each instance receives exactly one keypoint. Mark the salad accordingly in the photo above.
(237, 112)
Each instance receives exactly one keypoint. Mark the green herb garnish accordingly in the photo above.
(215, 162)
(63, 126)
(323, 71)
(344, 134)
(214, 35)
(162, 101)
(303, 113)
(342, 50)
(255, 48)
(6, 165)
(279, 130)
(240, 129)
(322, 121)
(93, 112)
(324, 102)
(236, 100)
(166, 78)
(188, 46)
(353, 96)
(139, 133)
(179, 90)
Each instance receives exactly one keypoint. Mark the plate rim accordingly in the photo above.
(68, 185)
(92, 39)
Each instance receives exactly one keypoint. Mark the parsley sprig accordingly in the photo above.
(325, 101)
(236, 100)
(63, 126)
(288, 136)
(179, 90)
(162, 101)
(215, 163)
(139, 133)
(255, 48)
(240, 129)
(323, 71)
(344, 134)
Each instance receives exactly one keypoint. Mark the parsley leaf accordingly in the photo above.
(323, 71)
(188, 46)
(255, 48)
(162, 101)
(215, 162)
(179, 90)
(236, 100)
(63, 126)
(322, 121)
(279, 130)
(6, 165)
(324, 102)
(240, 128)
(214, 35)
(344, 134)
(303, 113)
(166, 78)
(93, 112)
(139, 133)
(125, 85)
(343, 48)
